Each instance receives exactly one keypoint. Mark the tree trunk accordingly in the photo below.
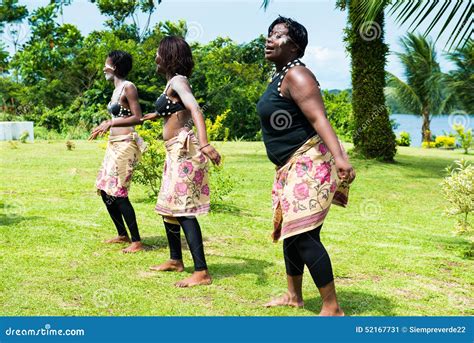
(425, 128)
(373, 135)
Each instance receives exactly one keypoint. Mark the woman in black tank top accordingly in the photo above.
(312, 169)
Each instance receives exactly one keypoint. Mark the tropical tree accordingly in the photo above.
(422, 93)
(461, 80)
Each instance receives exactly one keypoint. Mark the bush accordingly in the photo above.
(446, 142)
(428, 145)
(216, 131)
(221, 182)
(458, 189)
(24, 136)
(339, 109)
(464, 137)
(150, 169)
(404, 139)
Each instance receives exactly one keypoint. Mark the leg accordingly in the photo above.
(116, 216)
(317, 260)
(192, 231)
(294, 274)
(175, 263)
(128, 214)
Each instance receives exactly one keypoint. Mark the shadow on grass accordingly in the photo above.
(355, 303)
(14, 219)
(248, 266)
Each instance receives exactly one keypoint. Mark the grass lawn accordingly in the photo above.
(392, 250)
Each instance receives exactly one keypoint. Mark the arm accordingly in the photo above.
(303, 88)
(131, 94)
(181, 86)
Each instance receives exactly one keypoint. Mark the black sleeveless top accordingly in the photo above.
(284, 126)
(165, 106)
(116, 109)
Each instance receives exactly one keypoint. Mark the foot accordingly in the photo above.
(119, 239)
(134, 247)
(331, 311)
(169, 266)
(285, 300)
(198, 278)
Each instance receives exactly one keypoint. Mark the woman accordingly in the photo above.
(312, 169)
(124, 149)
(184, 189)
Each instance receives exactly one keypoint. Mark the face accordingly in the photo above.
(159, 66)
(109, 69)
(279, 44)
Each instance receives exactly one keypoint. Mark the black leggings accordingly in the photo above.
(120, 208)
(307, 249)
(192, 231)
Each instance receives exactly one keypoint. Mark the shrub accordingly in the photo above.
(150, 169)
(446, 142)
(220, 181)
(458, 189)
(464, 137)
(404, 139)
(24, 136)
(428, 145)
(216, 131)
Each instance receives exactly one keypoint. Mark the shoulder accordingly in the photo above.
(179, 82)
(301, 77)
(130, 87)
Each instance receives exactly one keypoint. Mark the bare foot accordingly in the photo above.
(285, 300)
(134, 247)
(169, 266)
(119, 239)
(198, 278)
(332, 312)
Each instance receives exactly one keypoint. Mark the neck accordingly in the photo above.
(118, 81)
(281, 64)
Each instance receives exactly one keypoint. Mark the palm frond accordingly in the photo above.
(438, 15)
(404, 94)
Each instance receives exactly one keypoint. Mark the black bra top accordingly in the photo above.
(165, 106)
(117, 110)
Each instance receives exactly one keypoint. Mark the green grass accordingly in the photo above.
(392, 250)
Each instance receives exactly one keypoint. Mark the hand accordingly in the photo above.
(100, 130)
(345, 170)
(212, 154)
(149, 116)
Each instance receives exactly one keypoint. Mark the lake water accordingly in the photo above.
(441, 124)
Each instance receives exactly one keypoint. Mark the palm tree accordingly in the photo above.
(423, 91)
(461, 80)
(438, 15)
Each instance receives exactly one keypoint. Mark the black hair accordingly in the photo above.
(176, 55)
(296, 31)
(122, 62)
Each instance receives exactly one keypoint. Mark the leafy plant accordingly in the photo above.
(464, 137)
(458, 190)
(24, 136)
(404, 139)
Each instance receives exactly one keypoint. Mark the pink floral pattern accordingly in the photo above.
(304, 189)
(184, 187)
(121, 157)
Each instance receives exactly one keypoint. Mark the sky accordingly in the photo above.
(244, 20)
